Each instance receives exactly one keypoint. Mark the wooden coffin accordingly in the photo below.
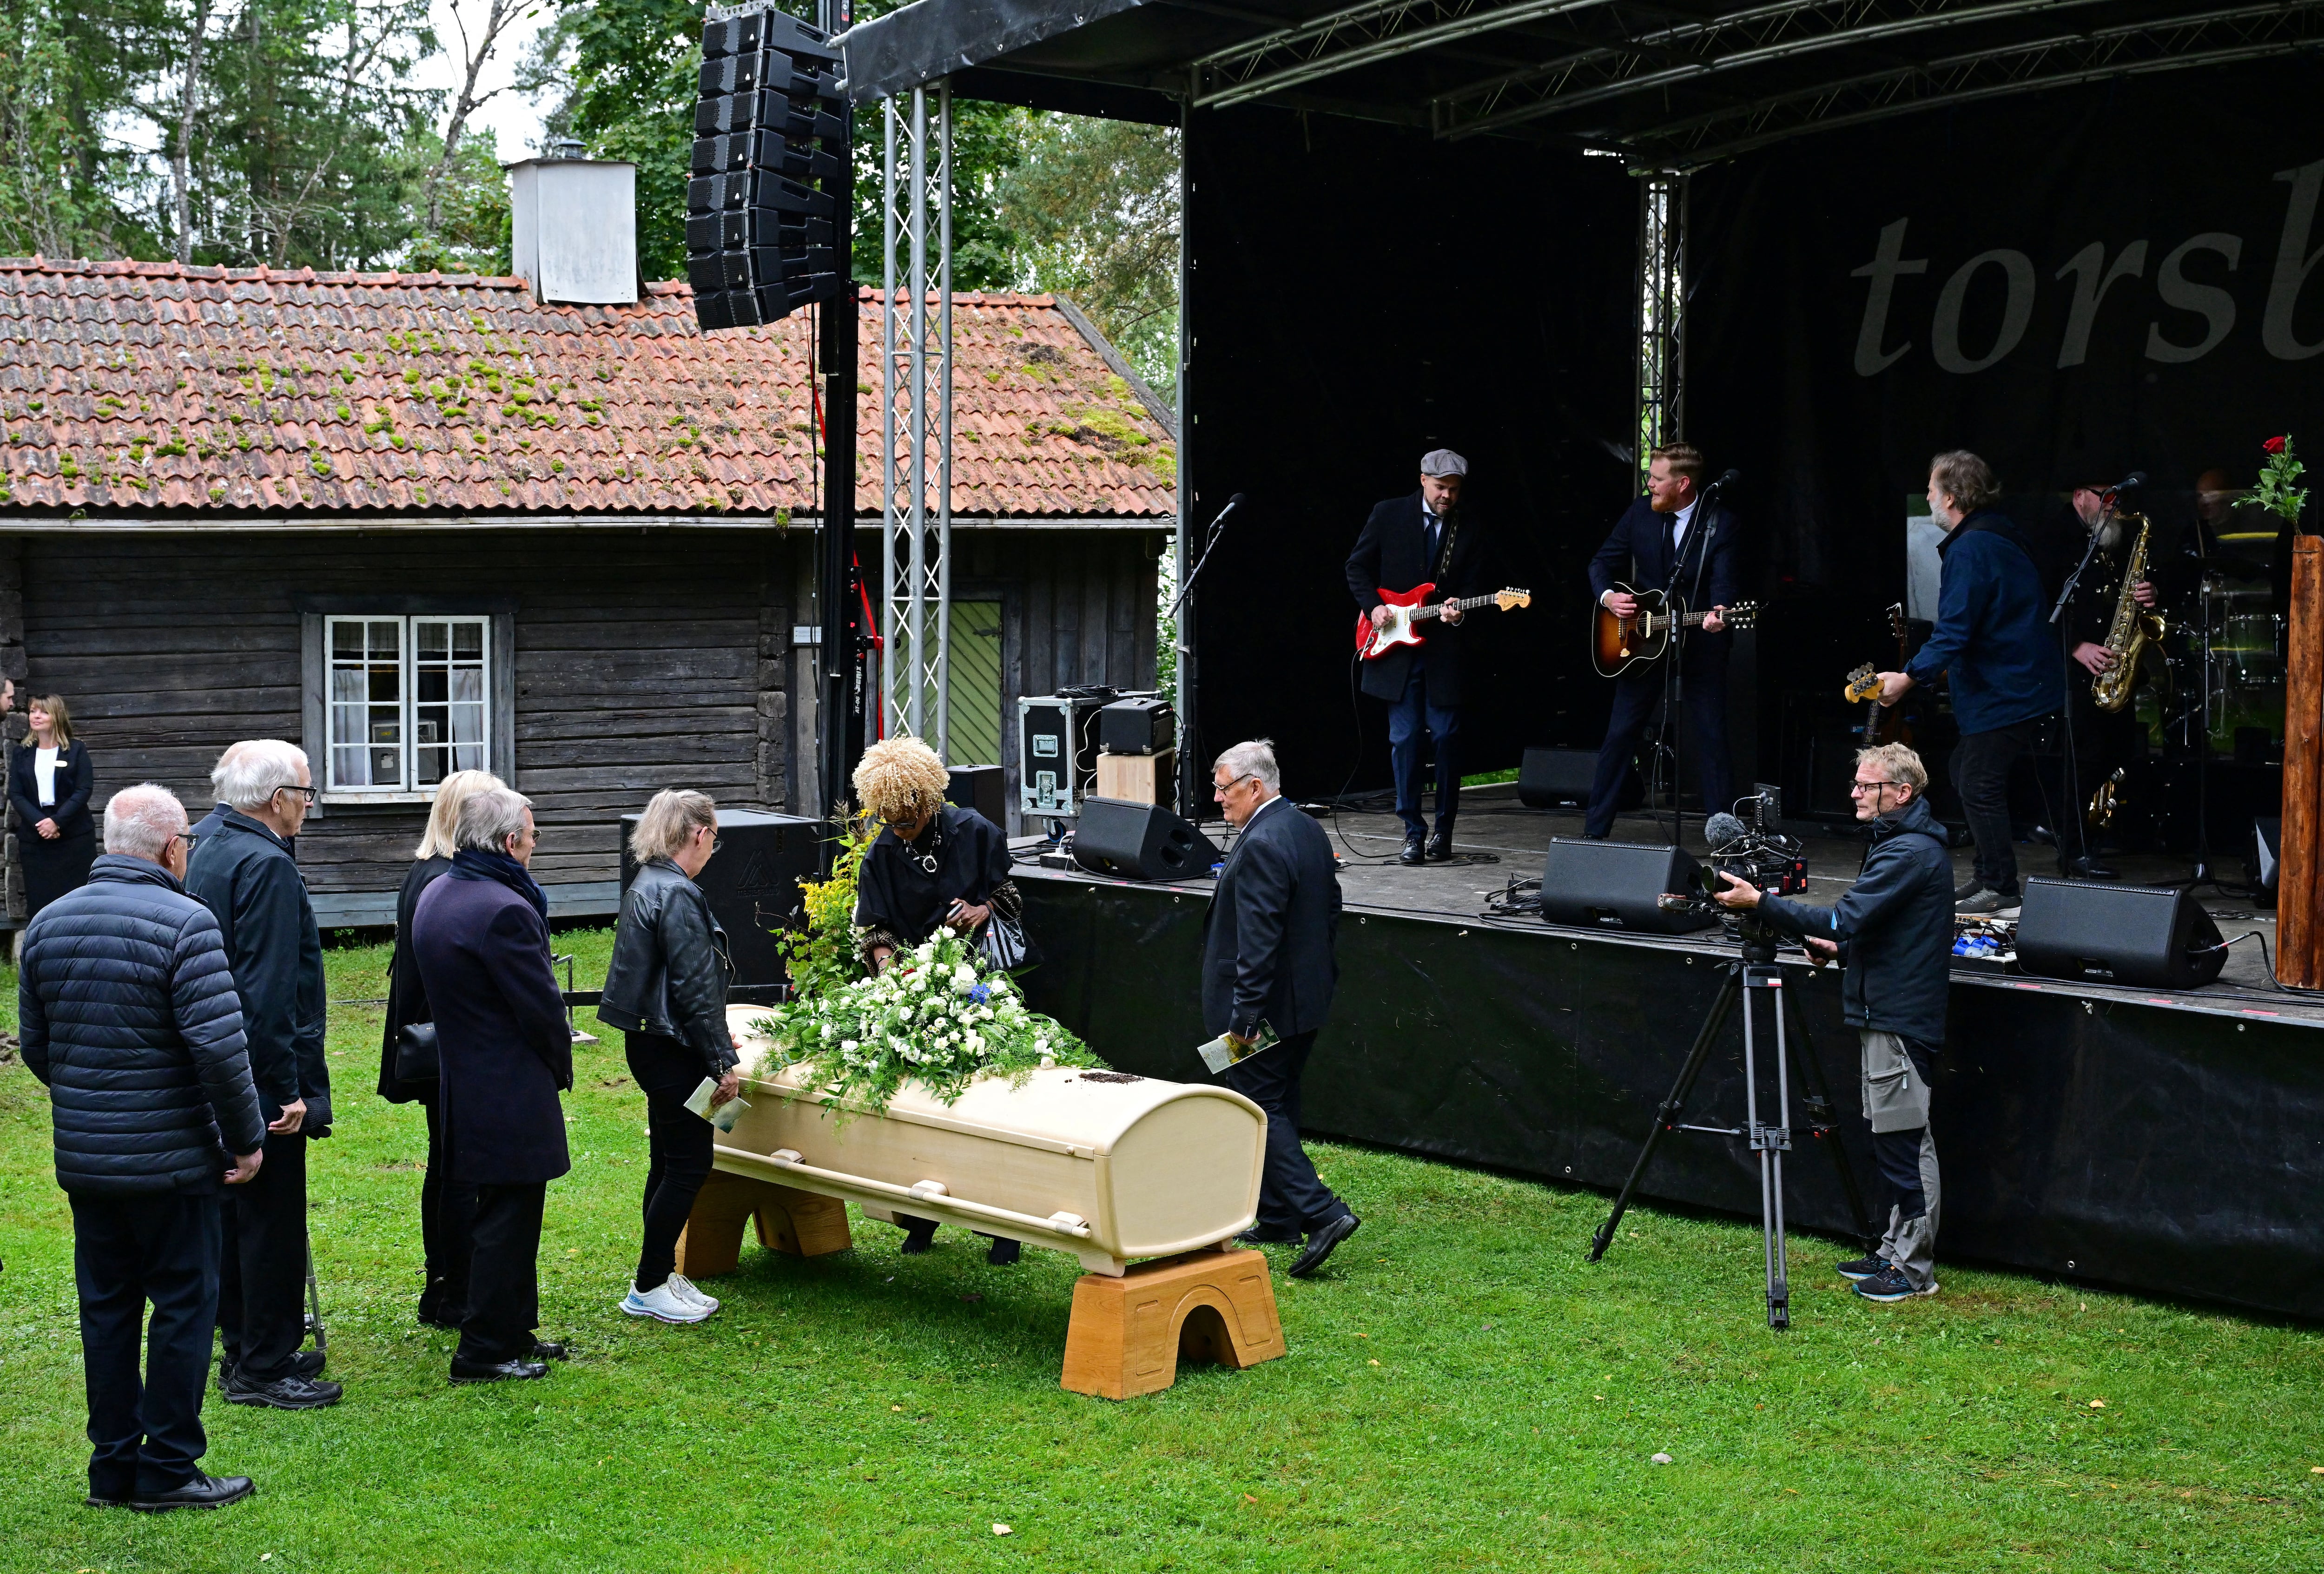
(1108, 1167)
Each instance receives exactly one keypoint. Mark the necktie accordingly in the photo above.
(1670, 547)
(1429, 525)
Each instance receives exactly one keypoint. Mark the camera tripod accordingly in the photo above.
(1754, 974)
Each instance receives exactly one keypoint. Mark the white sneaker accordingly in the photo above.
(687, 1291)
(662, 1301)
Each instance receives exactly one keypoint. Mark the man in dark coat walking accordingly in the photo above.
(244, 872)
(1670, 541)
(1424, 538)
(127, 1013)
(481, 937)
(1269, 961)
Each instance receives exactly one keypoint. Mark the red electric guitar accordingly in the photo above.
(1406, 612)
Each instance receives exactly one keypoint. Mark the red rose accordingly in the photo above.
(2273, 444)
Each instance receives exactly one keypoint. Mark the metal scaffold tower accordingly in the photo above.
(915, 412)
(1662, 311)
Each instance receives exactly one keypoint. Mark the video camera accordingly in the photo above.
(1747, 847)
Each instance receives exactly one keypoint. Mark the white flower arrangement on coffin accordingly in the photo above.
(932, 1017)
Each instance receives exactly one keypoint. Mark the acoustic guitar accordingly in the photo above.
(1619, 644)
(1407, 614)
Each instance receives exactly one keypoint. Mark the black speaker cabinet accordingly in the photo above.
(1614, 885)
(752, 883)
(2149, 936)
(1555, 778)
(980, 788)
(1144, 725)
(1141, 842)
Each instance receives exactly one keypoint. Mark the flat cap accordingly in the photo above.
(1442, 462)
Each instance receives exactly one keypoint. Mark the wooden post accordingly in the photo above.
(1127, 1334)
(2299, 956)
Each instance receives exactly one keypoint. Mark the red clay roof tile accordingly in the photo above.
(142, 388)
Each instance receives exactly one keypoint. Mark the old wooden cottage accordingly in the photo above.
(422, 522)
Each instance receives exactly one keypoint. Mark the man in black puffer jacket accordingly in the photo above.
(1894, 930)
(128, 1014)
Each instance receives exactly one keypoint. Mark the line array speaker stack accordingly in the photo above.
(770, 136)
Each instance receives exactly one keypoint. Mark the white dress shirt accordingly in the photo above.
(45, 776)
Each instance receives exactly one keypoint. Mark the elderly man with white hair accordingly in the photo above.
(245, 873)
(1270, 962)
(128, 1015)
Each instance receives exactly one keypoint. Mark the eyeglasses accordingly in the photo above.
(307, 792)
(188, 837)
(1220, 788)
(1857, 789)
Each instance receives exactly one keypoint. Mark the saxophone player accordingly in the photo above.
(2098, 742)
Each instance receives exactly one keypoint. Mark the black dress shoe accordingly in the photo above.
(919, 1234)
(2086, 868)
(97, 1499)
(303, 1364)
(547, 1350)
(1415, 852)
(201, 1492)
(1004, 1251)
(510, 1371)
(1319, 1245)
(436, 1316)
(1440, 845)
(1269, 1238)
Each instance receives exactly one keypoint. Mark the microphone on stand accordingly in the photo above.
(2136, 478)
(1728, 479)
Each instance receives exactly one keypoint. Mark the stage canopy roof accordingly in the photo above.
(1677, 84)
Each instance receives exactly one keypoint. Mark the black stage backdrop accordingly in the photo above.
(1358, 296)
(2073, 285)
(2144, 1145)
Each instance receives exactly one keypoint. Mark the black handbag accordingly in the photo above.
(417, 1059)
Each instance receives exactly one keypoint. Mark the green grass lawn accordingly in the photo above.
(1463, 1391)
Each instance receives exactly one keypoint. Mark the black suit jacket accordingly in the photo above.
(74, 778)
(1270, 937)
(500, 1029)
(1392, 554)
(1639, 551)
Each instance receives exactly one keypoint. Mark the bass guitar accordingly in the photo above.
(1885, 723)
(1619, 644)
(1406, 613)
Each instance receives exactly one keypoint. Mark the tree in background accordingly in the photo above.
(65, 72)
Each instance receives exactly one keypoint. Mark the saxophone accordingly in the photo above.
(2134, 627)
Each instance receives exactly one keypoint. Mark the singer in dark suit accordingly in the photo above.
(1268, 957)
(1426, 539)
(1670, 539)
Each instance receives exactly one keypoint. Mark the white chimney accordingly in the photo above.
(575, 229)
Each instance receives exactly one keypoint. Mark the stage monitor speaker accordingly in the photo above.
(2148, 936)
(1616, 885)
(1554, 778)
(1141, 842)
(2266, 855)
(753, 885)
(980, 788)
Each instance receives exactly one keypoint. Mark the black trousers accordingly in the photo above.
(504, 1311)
(1415, 720)
(1637, 696)
(1291, 1195)
(1980, 772)
(261, 1303)
(146, 1437)
(679, 1146)
(447, 1211)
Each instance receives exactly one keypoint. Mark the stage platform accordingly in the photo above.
(2166, 1142)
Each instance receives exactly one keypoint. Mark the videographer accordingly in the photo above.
(1893, 931)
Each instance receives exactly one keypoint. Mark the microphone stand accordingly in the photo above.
(1211, 538)
(1667, 734)
(1189, 666)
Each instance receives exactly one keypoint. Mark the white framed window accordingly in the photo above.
(408, 700)
(400, 697)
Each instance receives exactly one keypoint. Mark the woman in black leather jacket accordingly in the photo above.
(666, 991)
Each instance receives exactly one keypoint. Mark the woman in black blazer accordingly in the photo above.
(446, 1208)
(49, 782)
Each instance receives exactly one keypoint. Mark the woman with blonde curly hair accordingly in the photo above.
(933, 865)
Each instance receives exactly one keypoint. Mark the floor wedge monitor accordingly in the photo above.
(1140, 841)
(2149, 936)
(1619, 885)
(1553, 778)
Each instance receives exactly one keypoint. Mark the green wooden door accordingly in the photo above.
(972, 722)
